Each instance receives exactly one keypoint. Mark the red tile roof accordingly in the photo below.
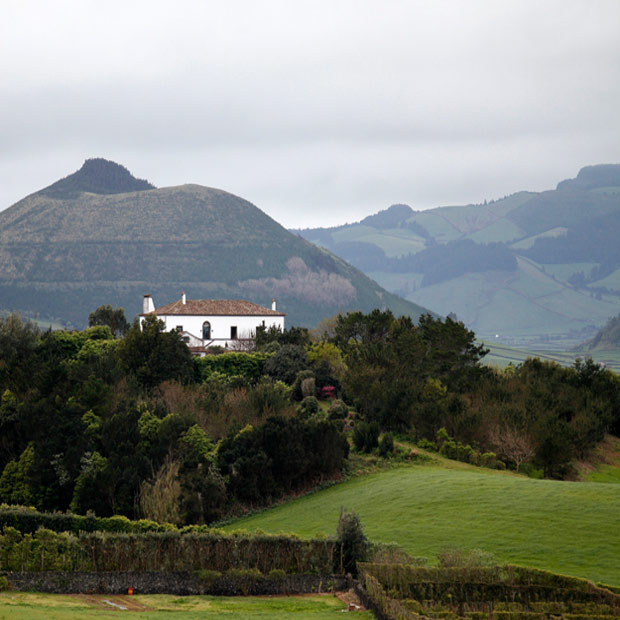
(216, 307)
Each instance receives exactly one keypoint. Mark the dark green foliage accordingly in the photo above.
(27, 520)
(386, 444)
(390, 362)
(248, 365)
(18, 343)
(94, 424)
(308, 406)
(338, 410)
(114, 318)
(292, 335)
(427, 377)
(286, 363)
(301, 376)
(280, 456)
(354, 545)
(366, 436)
(153, 355)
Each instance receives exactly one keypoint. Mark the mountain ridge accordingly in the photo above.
(65, 256)
(556, 249)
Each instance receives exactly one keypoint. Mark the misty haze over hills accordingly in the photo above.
(530, 268)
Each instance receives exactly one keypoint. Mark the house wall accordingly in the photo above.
(220, 325)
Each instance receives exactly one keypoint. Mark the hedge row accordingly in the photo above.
(28, 520)
(385, 605)
(248, 365)
(162, 551)
(502, 584)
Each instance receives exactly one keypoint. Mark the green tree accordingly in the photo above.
(153, 355)
(354, 545)
(286, 363)
(114, 318)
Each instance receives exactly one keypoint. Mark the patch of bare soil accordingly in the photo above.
(111, 601)
(351, 600)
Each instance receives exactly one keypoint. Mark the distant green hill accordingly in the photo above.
(100, 236)
(533, 268)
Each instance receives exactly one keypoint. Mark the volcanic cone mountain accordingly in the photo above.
(100, 236)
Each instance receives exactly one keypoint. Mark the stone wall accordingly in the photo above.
(179, 583)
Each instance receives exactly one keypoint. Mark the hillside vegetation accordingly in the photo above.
(142, 429)
(607, 339)
(100, 236)
(538, 269)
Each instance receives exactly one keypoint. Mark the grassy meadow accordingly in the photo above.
(31, 606)
(565, 527)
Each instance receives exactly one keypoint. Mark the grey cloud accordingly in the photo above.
(319, 111)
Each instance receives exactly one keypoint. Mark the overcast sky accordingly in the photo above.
(318, 112)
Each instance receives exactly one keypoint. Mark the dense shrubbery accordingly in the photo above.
(251, 366)
(422, 378)
(28, 520)
(279, 456)
(130, 426)
(134, 426)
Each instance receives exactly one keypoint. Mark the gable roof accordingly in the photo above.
(215, 307)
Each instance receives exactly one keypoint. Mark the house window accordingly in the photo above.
(179, 328)
(233, 332)
(206, 330)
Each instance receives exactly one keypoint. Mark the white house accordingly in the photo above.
(207, 322)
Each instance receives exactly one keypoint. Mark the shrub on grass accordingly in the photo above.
(308, 406)
(366, 436)
(338, 410)
(386, 444)
(354, 545)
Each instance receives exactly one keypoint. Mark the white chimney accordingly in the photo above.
(183, 298)
(147, 304)
(273, 305)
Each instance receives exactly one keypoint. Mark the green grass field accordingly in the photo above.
(566, 527)
(31, 606)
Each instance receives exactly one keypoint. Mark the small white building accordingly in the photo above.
(207, 322)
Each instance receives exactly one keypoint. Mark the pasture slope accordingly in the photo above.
(564, 527)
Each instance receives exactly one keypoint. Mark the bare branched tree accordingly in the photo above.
(512, 443)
